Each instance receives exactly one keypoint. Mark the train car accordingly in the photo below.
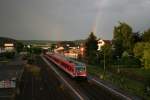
(70, 66)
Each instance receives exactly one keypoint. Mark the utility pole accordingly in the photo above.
(104, 62)
(118, 70)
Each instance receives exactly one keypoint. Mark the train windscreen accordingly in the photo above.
(80, 68)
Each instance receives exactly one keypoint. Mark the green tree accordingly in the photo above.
(53, 47)
(129, 60)
(122, 39)
(136, 37)
(37, 50)
(107, 52)
(139, 50)
(146, 56)
(142, 52)
(19, 46)
(91, 49)
(146, 36)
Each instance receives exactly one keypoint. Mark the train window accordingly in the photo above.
(80, 68)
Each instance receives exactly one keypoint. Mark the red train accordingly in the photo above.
(70, 66)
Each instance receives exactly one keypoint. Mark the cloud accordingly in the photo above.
(70, 19)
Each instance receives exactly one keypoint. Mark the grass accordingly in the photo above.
(124, 80)
(139, 72)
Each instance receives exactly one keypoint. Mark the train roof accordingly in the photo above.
(77, 63)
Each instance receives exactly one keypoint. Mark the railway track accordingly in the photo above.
(46, 87)
(57, 89)
(87, 89)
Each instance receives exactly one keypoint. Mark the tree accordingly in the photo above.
(19, 46)
(142, 52)
(107, 52)
(91, 48)
(138, 50)
(37, 50)
(146, 56)
(122, 39)
(53, 47)
(136, 37)
(146, 36)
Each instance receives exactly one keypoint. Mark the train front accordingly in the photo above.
(81, 70)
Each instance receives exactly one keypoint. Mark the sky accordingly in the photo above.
(70, 19)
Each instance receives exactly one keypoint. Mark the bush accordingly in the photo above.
(37, 50)
(147, 87)
(130, 61)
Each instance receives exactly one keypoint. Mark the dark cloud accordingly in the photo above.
(70, 19)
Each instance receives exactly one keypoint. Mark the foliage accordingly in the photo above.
(34, 50)
(19, 46)
(125, 54)
(125, 83)
(146, 56)
(142, 52)
(130, 62)
(53, 47)
(91, 48)
(107, 52)
(146, 36)
(122, 39)
(138, 50)
(136, 37)
(37, 50)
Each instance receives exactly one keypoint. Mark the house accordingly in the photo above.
(9, 47)
(102, 42)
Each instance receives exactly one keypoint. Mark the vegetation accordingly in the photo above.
(127, 59)
(142, 52)
(130, 80)
(91, 49)
(19, 46)
(122, 39)
(107, 52)
(146, 36)
(37, 50)
(146, 56)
